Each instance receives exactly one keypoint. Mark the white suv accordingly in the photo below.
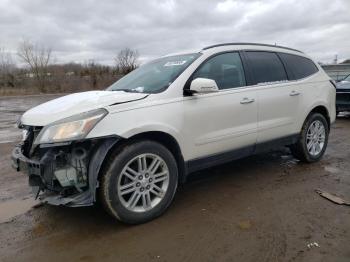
(135, 142)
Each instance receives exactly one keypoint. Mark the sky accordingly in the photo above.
(82, 30)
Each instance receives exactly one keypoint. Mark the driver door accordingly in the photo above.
(223, 123)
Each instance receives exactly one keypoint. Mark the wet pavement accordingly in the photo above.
(261, 208)
(11, 108)
(15, 196)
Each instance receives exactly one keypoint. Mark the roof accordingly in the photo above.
(256, 44)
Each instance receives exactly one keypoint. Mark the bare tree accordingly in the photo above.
(127, 60)
(38, 60)
(6, 61)
(7, 68)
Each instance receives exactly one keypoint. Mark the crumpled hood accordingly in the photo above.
(73, 104)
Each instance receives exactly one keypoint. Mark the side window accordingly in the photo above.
(226, 69)
(266, 67)
(297, 66)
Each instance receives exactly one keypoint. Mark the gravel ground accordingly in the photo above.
(261, 208)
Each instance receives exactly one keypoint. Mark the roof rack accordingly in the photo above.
(278, 46)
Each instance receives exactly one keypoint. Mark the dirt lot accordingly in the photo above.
(261, 208)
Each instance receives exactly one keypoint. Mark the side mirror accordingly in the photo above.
(203, 86)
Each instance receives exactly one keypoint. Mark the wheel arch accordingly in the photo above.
(299, 149)
(321, 109)
(169, 142)
(315, 108)
(161, 137)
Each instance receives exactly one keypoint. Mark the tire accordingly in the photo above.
(150, 196)
(300, 148)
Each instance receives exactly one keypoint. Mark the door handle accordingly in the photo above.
(294, 93)
(247, 100)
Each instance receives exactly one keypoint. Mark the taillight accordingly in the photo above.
(333, 83)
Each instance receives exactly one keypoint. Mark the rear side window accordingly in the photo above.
(266, 67)
(226, 69)
(298, 67)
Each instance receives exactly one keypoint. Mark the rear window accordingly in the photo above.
(266, 67)
(298, 67)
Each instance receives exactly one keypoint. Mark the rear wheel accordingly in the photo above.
(139, 182)
(313, 139)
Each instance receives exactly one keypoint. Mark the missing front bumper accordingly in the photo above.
(61, 175)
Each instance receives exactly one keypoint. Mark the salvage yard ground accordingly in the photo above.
(261, 208)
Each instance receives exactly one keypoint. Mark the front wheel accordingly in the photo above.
(139, 182)
(313, 139)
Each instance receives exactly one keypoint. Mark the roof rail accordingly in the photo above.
(257, 44)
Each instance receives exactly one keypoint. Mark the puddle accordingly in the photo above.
(10, 135)
(11, 208)
(331, 169)
(287, 157)
(289, 161)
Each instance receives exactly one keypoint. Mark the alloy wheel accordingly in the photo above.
(143, 182)
(315, 138)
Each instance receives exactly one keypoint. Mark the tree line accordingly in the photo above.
(41, 75)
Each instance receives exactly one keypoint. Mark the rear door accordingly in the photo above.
(303, 86)
(278, 100)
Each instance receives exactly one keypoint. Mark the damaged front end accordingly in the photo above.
(62, 173)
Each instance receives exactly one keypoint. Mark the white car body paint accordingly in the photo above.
(202, 124)
(73, 104)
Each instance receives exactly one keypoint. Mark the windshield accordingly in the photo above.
(155, 76)
(347, 78)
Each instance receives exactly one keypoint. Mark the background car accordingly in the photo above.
(343, 95)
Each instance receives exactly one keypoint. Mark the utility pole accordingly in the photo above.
(335, 61)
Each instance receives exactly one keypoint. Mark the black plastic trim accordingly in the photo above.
(129, 100)
(217, 159)
(333, 83)
(283, 141)
(221, 158)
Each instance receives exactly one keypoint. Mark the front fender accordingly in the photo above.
(154, 127)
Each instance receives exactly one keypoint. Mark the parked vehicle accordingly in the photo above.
(135, 142)
(343, 95)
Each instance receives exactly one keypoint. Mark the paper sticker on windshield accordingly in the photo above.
(139, 89)
(175, 63)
